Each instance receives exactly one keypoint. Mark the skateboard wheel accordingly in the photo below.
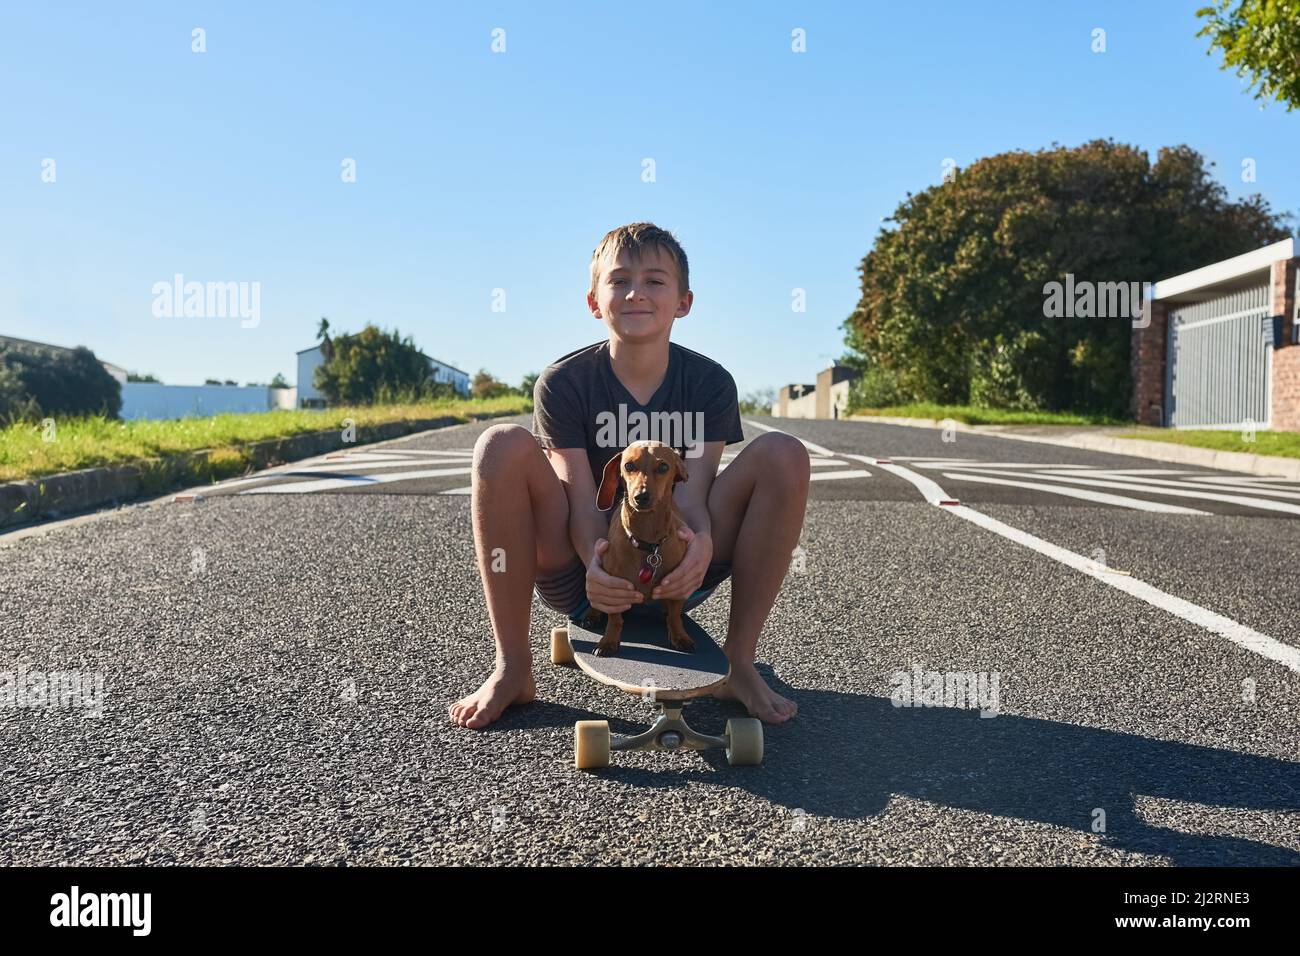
(561, 649)
(744, 741)
(591, 744)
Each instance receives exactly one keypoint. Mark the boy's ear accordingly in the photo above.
(609, 483)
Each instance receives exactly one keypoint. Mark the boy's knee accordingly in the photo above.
(787, 455)
(503, 446)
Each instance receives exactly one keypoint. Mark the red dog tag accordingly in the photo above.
(646, 573)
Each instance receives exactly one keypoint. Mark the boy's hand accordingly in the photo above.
(604, 591)
(685, 579)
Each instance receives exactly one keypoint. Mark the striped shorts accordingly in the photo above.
(566, 592)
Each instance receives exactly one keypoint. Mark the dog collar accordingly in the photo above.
(646, 545)
(650, 567)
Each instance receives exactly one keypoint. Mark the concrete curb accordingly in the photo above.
(1269, 466)
(54, 496)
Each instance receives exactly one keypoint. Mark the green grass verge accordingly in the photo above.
(1283, 444)
(96, 441)
(969, 415)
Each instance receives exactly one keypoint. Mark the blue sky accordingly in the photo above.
(478, 171)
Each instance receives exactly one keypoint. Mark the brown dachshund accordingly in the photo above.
(643, 541)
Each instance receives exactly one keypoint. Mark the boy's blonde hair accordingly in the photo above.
(635, 237)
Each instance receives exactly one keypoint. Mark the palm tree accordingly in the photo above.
(323, 334)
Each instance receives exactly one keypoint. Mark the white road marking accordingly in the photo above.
(824, 452)
(1260, 503)
(359, 468)
(821, 475)
(932, 492)
(427, 453)
(354, 481)
(1248, 483)
(1239, 634)
(339, 462)
(815, 462)
(1141, 479)
(1137, 504)
(835, 475)
(936, 464)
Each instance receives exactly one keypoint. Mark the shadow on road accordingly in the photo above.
(845, 755)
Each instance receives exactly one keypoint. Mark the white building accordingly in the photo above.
(313, 358)
(155, 401)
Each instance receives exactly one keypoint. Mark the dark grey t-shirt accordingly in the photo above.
(578, 402)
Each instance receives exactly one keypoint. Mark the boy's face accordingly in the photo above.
(639, 300)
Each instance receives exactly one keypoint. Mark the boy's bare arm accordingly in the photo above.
(587, 523)
(693, 497)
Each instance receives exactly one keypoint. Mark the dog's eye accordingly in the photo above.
(628, 466)
(663, 467)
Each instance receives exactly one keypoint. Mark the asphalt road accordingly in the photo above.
(277, 664)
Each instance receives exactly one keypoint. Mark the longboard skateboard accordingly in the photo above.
(649, 666)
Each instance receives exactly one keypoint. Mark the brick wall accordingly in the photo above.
(1286, 359)
(1147, 363)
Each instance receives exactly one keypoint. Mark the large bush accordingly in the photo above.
(37, 382)
(373, 366)
(876, 387)
(952, 295)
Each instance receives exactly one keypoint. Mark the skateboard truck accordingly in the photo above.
(669, 732)
(650, 667)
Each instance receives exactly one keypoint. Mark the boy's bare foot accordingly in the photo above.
(747, 686)
(501, 689)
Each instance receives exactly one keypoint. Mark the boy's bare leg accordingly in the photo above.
(756, 507)
(521, 514)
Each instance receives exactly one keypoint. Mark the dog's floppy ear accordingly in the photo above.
(682, 474)
(609, 483)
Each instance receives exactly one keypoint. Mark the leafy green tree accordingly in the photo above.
(373, 365)
(134, 377)
(952, 304)
(1261, 38)
(528, 385)
(485, 386)
(279, 381)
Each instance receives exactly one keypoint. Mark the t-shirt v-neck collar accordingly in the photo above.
(659, 392)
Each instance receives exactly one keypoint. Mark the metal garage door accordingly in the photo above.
(1219, 357)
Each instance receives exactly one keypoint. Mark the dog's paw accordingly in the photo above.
(682, 643)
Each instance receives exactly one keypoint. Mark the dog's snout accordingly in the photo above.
(642, 498)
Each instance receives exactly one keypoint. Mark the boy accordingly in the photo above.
(534, 508)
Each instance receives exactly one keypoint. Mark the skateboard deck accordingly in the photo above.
(647, 664)
(646, 660)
